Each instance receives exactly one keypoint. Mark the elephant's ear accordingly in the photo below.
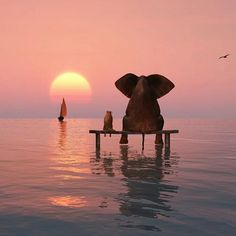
(126, 84)
(160, 85)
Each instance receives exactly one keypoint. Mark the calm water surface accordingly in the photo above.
(52, 182)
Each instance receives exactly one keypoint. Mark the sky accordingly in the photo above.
(105, 39)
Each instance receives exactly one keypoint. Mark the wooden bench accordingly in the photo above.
(165, 132)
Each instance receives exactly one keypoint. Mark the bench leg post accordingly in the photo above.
(143, 136)
(97, 142)
(167, 141)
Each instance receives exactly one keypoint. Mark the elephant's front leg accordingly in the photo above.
(124, 137)
(160, 125)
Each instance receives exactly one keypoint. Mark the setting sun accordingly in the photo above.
(72, 86)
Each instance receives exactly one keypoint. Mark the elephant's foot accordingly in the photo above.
(159, 140)
(124, 139)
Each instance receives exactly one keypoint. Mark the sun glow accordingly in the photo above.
(71, 86)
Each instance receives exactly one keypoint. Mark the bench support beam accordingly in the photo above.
(167, 140)
(143, 136)
(98, 141)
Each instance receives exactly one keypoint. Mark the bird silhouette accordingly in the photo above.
(225, 56)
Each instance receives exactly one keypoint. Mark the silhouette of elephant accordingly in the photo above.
(143, 111)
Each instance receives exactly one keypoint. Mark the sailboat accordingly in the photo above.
(63, 111)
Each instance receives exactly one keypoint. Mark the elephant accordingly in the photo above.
(143, 112)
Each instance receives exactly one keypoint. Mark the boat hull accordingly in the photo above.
(60, 118)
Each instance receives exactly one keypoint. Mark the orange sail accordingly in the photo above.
(63, 112)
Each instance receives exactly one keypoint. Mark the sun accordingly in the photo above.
(72, 86)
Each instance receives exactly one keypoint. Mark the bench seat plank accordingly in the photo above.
(174, 131)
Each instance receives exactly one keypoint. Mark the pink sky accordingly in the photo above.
(105, 39)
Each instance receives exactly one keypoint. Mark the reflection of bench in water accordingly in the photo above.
(165, 132)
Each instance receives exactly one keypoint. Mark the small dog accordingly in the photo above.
(108, 120)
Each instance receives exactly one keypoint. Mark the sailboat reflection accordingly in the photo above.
(66, 160)
(62, 135)
(148, 195)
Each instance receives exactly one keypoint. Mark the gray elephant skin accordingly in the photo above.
(143, 112)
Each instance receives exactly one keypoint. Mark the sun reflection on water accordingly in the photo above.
(68, 177)
(71, 169)
(68, 201)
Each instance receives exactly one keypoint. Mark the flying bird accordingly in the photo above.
(225, 56)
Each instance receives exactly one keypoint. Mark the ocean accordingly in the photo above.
(53, 182)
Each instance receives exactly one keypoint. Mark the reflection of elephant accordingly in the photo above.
(143, 111)
(147, 194)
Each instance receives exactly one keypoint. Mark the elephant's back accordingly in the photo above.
(143, 124)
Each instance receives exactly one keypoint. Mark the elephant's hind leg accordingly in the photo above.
(160, 125)
(124, 137)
